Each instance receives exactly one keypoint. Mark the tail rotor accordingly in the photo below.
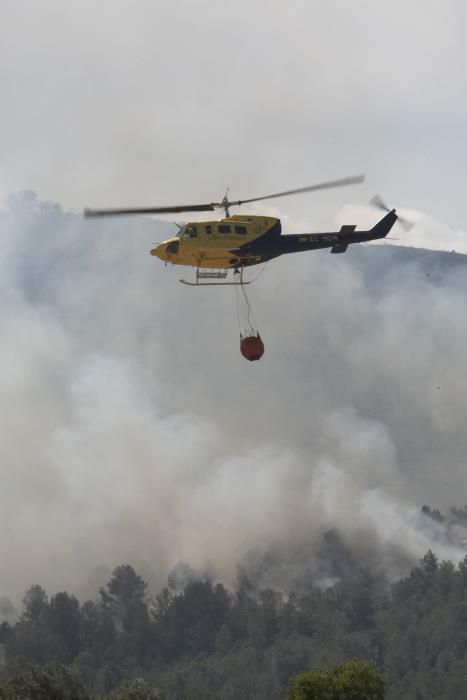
(377, 202)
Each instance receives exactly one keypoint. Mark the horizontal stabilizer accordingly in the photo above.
(348, 228)
(339, 247)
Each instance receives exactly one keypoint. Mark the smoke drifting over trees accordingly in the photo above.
(132, 430)
(204, 641)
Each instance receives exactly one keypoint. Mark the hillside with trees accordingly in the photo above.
(205, 641)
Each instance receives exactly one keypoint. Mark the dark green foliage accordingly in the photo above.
(47, 631)
(124, 595)
(6, 632)
(97, 630)
(63, 619)
(124, 615)
(46, 683)
(203, 642)
(35, 606)
(432, 513)
(188, 623)
(353, 680)
(136, 690)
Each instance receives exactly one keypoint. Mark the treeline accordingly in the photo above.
(206, 642)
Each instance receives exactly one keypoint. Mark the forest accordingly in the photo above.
(203, 641)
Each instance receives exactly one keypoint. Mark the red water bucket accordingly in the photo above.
(252, 347)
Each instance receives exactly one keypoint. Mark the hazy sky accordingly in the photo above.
(131, 428)
(159, 102)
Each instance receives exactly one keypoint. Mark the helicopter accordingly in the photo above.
(241, 240)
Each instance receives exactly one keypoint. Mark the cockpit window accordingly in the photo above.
(188, 231)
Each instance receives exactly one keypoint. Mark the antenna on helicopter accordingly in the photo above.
(225, 202)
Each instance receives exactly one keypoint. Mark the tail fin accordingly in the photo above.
(382, 228)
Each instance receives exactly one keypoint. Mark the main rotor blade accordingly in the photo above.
(148, 210)
(355, 180)
(215, 205)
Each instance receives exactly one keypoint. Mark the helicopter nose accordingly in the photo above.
(158, 251)
(165, 250)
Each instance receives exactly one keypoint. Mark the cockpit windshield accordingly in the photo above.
(188, 231)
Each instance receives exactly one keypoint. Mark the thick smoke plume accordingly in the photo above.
(133, 431)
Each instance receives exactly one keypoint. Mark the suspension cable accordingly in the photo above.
(246, 318)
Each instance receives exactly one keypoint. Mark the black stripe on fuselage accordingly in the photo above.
(260, 249)
(272, 244)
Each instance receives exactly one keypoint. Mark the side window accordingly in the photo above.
(208, 229)
(241, 230)
(224, 228)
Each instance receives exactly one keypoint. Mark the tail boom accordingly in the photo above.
(338, 241)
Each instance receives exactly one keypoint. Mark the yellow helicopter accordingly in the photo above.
(239, 241)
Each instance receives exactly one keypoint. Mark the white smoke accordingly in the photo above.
(423, 231)
(133, 431)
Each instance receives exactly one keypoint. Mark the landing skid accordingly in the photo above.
(216, 274)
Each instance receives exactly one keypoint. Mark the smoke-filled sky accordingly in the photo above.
(132, 430)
